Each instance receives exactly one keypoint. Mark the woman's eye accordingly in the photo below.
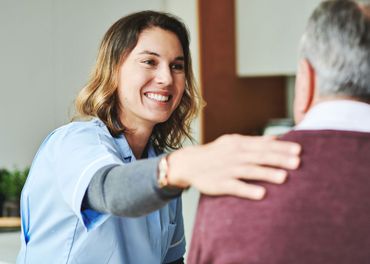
(177, 67)
(149, 62)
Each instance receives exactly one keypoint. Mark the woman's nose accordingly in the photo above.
(164, 76)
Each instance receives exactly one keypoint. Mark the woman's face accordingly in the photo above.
(151, 79)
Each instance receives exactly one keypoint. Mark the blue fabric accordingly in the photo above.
(55, 230)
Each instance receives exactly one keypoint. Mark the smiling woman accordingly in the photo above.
(151, 82)
(101, 189)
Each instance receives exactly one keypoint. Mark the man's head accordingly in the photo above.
(335, 55)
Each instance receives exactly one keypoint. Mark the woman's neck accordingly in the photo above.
(138, 140)
(138, 132)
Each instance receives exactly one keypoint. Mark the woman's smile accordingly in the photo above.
(158, 97)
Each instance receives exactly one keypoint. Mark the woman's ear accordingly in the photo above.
(304, 89)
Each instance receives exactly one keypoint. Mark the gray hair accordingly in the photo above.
(337, 44)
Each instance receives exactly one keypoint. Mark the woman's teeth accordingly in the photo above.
(158, 97)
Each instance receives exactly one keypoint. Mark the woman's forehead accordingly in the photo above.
(159, 41)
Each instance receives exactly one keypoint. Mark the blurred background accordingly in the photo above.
(244, 56)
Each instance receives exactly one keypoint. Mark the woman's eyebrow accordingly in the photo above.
(180, 58)
(148, 52)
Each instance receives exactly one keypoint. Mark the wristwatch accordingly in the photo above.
(163, 172)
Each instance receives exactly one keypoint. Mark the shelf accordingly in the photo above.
(10, 223)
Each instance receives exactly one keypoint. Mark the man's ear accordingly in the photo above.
(304, 89)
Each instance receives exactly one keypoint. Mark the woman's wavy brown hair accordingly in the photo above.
(99, 97)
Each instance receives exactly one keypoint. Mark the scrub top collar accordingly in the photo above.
(125, 150)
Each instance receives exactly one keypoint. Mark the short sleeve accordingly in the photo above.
(177, 247)
(84, 148)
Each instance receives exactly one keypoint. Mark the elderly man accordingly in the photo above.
(322, 213)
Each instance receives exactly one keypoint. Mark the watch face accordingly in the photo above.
(162, 173)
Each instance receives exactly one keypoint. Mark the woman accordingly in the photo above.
(100, 191)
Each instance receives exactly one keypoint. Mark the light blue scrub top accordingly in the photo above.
(55, 230)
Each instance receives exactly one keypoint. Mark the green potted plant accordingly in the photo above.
(11, 184)
(2, 194)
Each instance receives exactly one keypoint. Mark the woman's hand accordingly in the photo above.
(219, 167)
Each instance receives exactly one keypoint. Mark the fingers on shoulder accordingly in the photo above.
(260, 143)
(244, 190)
(260, 173)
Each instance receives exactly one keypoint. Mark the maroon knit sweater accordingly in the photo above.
(320, 215)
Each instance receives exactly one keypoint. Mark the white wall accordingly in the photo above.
(47, 48)
(26, 79)
(268, 34)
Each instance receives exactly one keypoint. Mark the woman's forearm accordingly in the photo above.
(128, 190)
